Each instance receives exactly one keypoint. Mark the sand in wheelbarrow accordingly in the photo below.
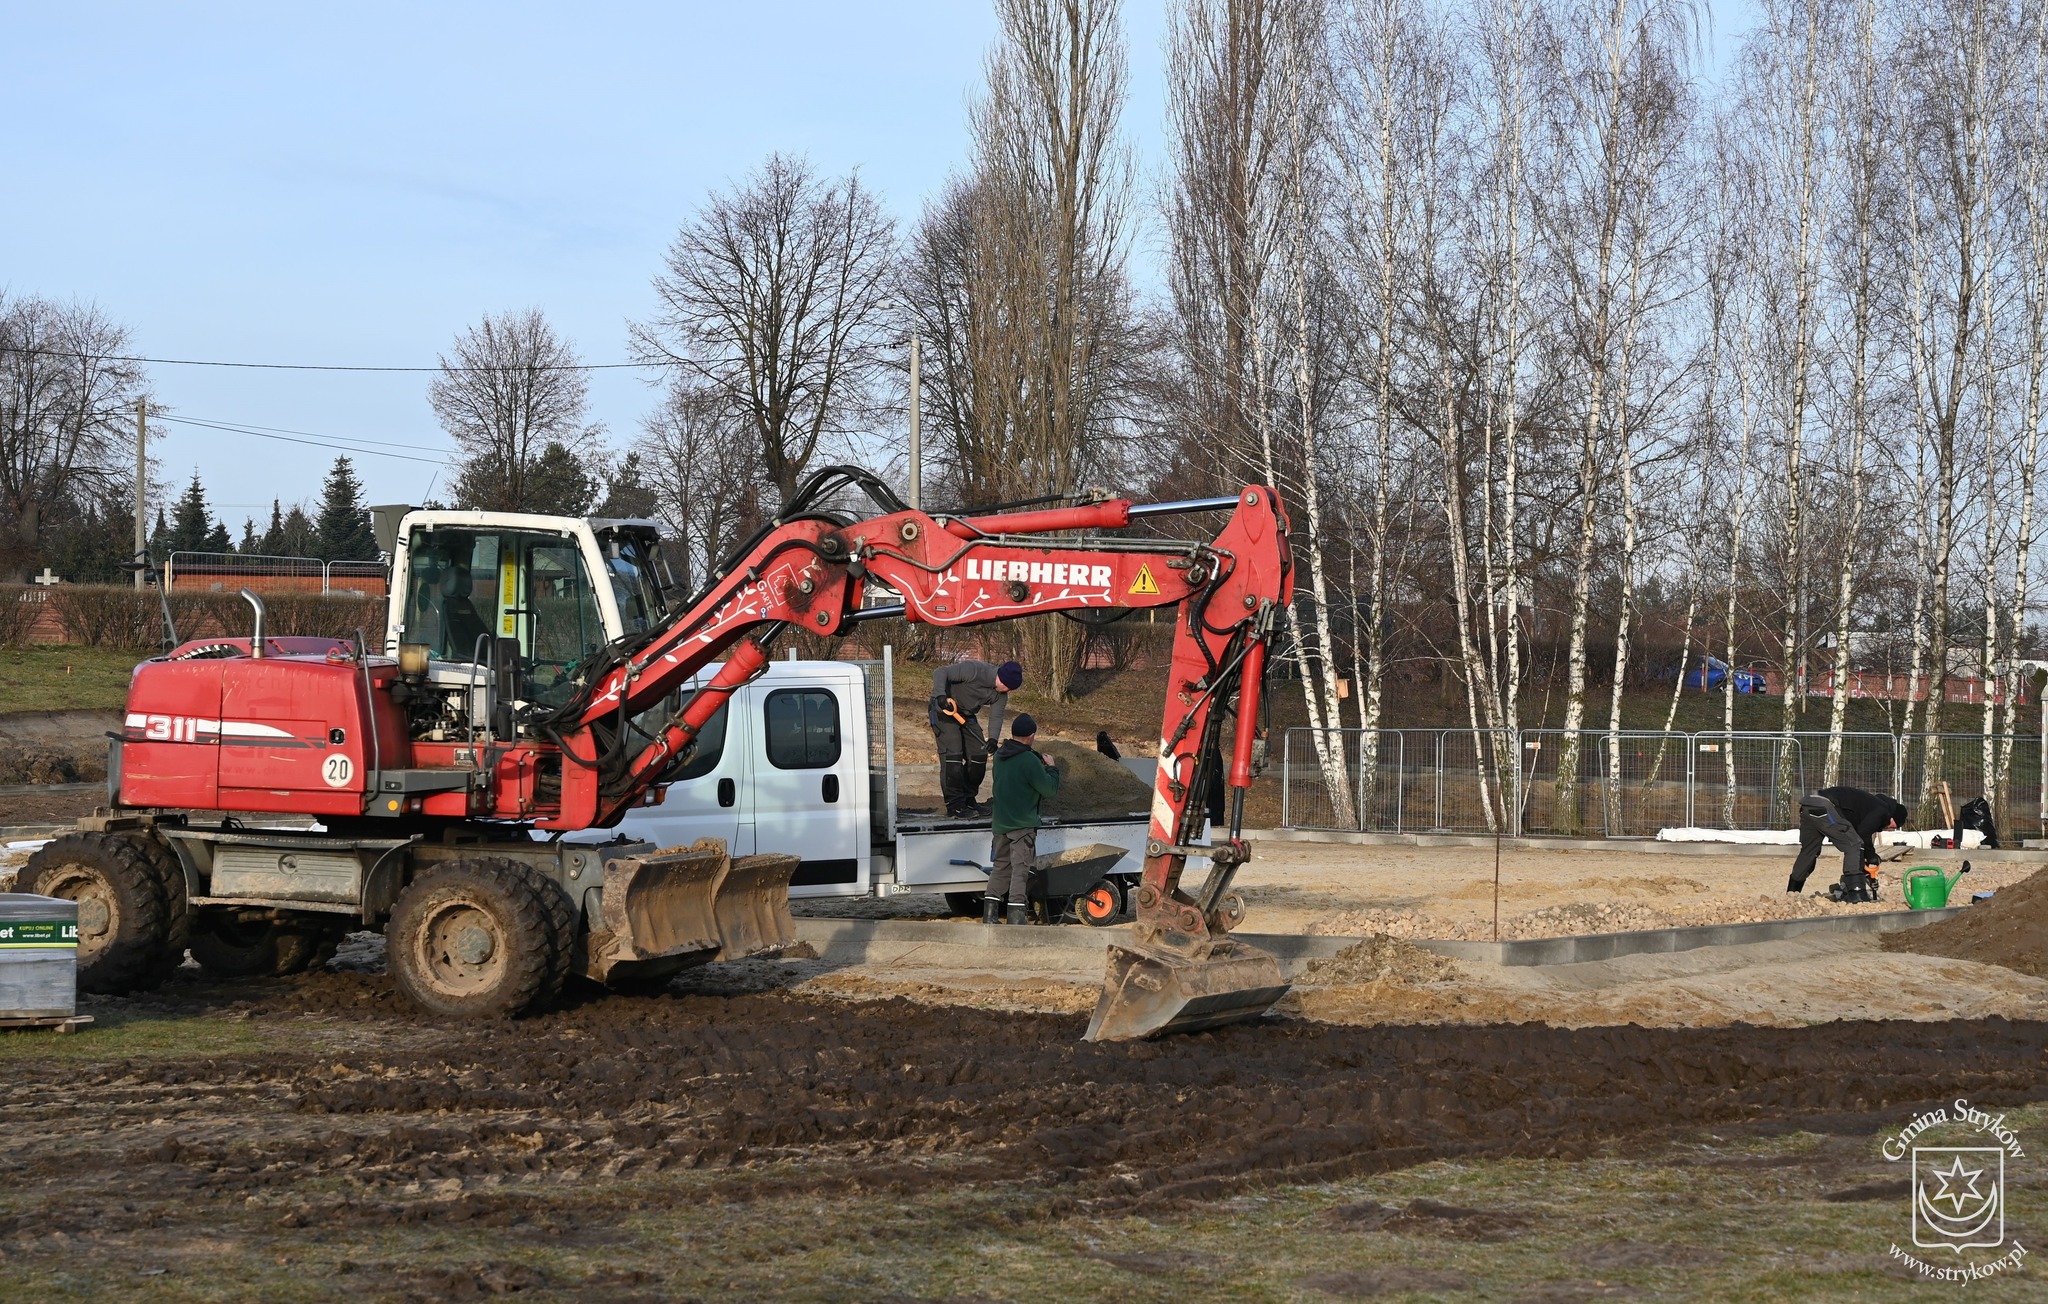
(1092, 787)
(2010, 929)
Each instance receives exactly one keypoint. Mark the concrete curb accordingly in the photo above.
(1780, 851)
(828, 935)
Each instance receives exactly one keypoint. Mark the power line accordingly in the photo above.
(313, 443)
(252, 428)
(310, 366)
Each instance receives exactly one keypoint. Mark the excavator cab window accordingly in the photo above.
(639, 579)
(465, 586)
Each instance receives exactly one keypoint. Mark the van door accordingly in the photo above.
(810, 793)
(708, 797)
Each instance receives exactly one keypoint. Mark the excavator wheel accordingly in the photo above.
(1102, 904)
(561, 912)
(130, 914)
(478, 938)
(228, 947)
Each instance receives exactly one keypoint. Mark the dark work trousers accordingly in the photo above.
(1820, 822)
(963, 761)
(1015, 852)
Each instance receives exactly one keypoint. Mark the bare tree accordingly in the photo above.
(67, 415)
(704, 474)
(508, 390)
(773, 294)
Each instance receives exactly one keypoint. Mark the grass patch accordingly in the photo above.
(66, 678)
(1709, 1217)
(120, 1034)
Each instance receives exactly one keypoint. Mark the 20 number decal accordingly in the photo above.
(338, 770)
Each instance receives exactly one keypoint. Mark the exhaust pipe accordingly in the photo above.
(256, 639)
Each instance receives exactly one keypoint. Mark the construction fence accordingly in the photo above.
(1596, 784)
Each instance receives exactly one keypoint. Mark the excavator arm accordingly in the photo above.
(814, 571)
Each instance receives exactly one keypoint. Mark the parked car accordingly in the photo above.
(1714, 672)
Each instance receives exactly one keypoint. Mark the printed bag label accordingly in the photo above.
(21, 934)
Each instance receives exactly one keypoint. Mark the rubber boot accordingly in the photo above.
(991, 910)
(1020, 912)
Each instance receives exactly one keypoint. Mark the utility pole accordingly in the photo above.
(916, 444)
(141, 488)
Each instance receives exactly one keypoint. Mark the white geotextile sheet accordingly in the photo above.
(1920, 839)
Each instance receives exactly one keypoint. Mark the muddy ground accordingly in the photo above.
(312, 1138)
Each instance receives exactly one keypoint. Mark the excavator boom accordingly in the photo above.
(814, 571)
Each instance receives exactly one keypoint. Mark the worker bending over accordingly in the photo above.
(1851, 819)
(1023, 780)
(959, 693)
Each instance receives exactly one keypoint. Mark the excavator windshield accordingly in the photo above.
(465, 587)
(633, 564)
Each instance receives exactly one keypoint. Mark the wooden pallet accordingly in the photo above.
(62, 1023)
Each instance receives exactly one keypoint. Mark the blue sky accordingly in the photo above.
(355, 184)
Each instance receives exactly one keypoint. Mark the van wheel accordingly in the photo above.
(477, 938)
(1102, 904)
(964, 905)
(124, 918)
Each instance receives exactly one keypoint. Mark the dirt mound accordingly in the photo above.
(1378, 959)
(2011, 929)
(1092, 787)
(36, 763)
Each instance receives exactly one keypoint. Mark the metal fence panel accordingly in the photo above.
(1457, 780)
(1469, 796)
(1645, 781)
(1306, 799)
(1551, 805)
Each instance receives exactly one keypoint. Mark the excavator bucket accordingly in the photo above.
(1148, 993)
(686, 906)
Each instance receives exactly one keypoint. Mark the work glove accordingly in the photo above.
(990, 744)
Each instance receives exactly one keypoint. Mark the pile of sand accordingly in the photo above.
(2011, 930)
(1092, 787)
(1378, 959)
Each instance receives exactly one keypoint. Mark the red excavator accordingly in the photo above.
(541, 675)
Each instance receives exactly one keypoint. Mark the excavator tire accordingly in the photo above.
(178, 913)
(129, 918)
(476, 938)
(227, 947)
(561, 914)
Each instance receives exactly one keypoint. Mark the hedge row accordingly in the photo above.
(107, 615)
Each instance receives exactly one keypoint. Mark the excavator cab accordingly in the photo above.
(525, 598)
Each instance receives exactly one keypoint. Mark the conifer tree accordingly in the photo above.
(344, 532)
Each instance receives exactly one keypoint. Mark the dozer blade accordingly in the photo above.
(1146, 994)
(753, 907)
(661, 907)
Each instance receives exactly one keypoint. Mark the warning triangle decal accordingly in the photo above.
(1145, 584)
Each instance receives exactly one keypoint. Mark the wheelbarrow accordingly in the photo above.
(1927, 888)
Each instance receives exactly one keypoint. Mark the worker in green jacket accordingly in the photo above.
(1023, 780)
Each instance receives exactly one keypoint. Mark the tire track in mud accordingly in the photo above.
(768, 1094)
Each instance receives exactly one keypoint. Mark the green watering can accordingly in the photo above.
(1927, 889)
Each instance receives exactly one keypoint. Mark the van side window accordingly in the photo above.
(803, 728)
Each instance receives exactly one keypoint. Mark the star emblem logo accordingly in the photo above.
(1958, 1185)
(1958, 1197)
